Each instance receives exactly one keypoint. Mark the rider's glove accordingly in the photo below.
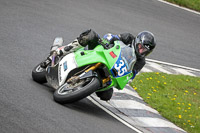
(134, 74)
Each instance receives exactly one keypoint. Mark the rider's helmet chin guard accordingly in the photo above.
(144, 43)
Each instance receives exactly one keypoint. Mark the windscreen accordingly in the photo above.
(128, 55)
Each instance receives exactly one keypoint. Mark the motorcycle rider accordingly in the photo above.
(143, 44)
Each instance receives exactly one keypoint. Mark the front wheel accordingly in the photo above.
(68, 93)
(38, 74)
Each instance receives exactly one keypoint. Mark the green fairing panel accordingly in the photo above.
(99, 54)
(108, 57)
(122, 81)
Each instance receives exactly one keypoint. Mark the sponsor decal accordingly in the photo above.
(65, 65)
(113, 54)
(120, 68)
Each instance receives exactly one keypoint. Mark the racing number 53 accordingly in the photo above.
(121, 67)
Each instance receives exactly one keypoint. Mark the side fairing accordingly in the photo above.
(99, 54)
(119, 69)
(122, 68)
(67, 64)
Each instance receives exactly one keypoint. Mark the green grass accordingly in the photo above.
(175, 97)
(192, 4)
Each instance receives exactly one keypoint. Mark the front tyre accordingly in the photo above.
(38, 74)
(71, 93)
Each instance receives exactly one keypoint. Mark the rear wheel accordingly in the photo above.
(69, 93)
(38, 74)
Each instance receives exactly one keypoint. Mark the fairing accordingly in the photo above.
(119, 60)
(56, 76)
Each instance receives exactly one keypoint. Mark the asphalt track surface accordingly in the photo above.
(27, 30)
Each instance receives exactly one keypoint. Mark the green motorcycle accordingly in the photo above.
(79, 74)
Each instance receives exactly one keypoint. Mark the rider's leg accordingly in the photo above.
(90, 38)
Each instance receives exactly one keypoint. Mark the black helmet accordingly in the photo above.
(144, 43)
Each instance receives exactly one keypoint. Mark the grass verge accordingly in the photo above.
(192, 4)
(175, 97)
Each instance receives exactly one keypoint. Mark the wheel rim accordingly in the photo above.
(68, 88)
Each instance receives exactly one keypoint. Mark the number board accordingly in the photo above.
(120, 67)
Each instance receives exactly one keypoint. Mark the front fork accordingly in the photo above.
(94, 68)
(88, 73)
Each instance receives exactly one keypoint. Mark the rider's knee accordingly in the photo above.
(88, 37)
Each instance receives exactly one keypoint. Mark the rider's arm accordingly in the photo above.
(126, 38)
(138, 66)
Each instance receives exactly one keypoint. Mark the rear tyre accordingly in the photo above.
(71, 93)
(38, 74)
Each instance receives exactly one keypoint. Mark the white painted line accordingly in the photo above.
(183, 71)
(159, 67)
(146, 70)
(155, 122)
(114, 115)
(131, 104)
(179, 7)
(175, 65)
